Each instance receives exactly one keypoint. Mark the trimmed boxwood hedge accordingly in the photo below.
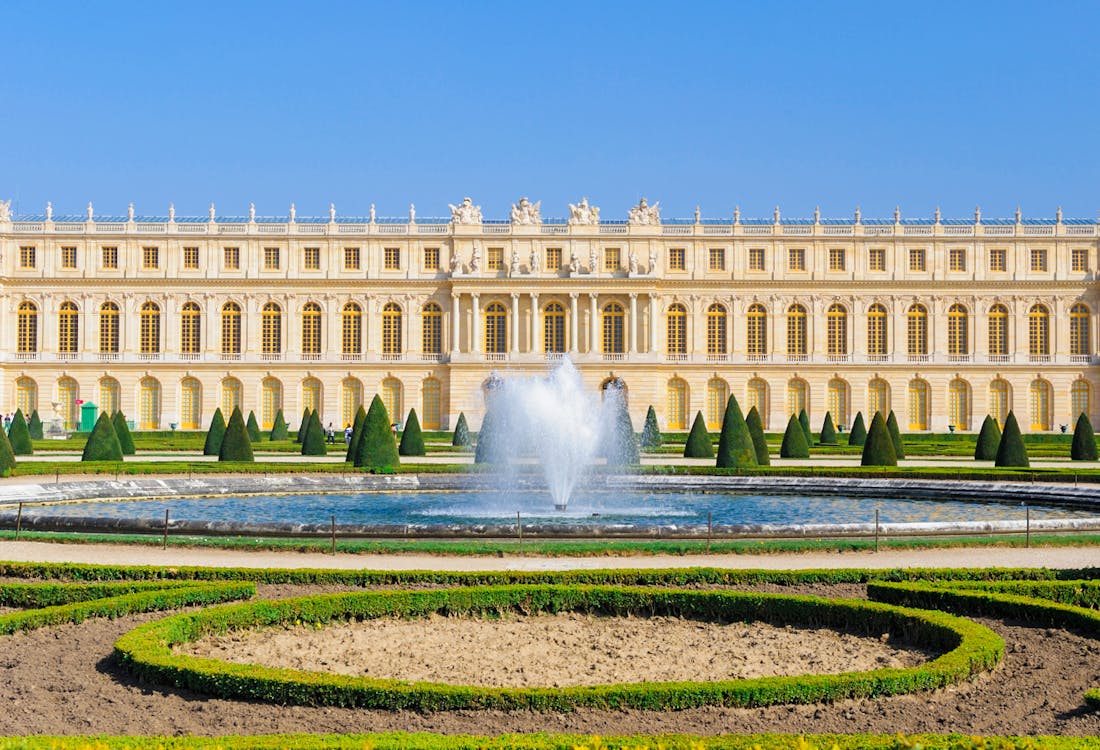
(19, 435)
(698, 443)
(146, 651)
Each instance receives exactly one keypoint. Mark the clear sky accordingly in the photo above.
(718, 104)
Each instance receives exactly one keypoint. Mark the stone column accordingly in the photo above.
(633, 322)
(652, 323)
(593, 324)
(574, 347)
(532, 344)
(455, 321)
(515, 323)
(475, 326)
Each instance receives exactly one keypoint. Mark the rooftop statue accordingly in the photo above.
(5, 210)
(526, 212)
(583, 214)
(644, 214)
(466, 212)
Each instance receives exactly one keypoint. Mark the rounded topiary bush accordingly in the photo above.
(895, 435)
(236, 445)
(7, 457)
(1012, 451)
(35, 425)
(736, 444)
(279, 429)
(759, 440)
(412, 439)
(215, 434)
(377, 450)
(858, 433)
(878, 449)
(253, 428)
(828, 431)
(794, 441)
(989, 439)
(356, 434)
(102, 444)
(125, 439)
(698, 443)
(313, 443)
(19, 435)
(1084, 440)
(651, 432)
(461, 436)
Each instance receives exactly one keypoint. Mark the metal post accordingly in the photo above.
(165, 545)
(876, 529)
(1027, 526)
(708, 531)
(19, 521)
(332, 523)
(519, 528)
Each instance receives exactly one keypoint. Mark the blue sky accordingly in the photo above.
(719, 104)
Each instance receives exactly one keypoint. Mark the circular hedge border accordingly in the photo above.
(147, 652)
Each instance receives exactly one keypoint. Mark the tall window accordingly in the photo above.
(876, 330)
(68, 328)
(150, 328)
(496, 329)
(271, 259)
(109, 257)
(431, 418)
(27, 328)
(677, 404)
(958, 326)
(494, 260)
(1079, 399)
(351, 330)
(1039, 260)
(876, 259)
(1079, 260)
(796, 331)
(612, 328)
(1040, 404)
(878, 398)
(351, 398)
(677, 259)
(838, 401)
(68, 257)
(756, 394)
(67, 394)
(431, 259)
(918, 260)
(917, 339)
(311, 394)
(836, 331)
(311, 258)
(958, 404)
(1038, 331)
(351, 259)
(271, 329)
(232, 397)
(190, 404)
(231, 258)
(1079, 334)
(231, 329)
(149, 404)
(676, 329)
(391, 329)
(392, 399)
(109, 396)
(757, 334)
(612, 259)
(756, 259)
(716, 259)
(956, 259)
(190, 329)
(190, 257)
(998, 401)
(837, 259)
(716, 330)
(26, 395)
(271, 401)
(918, 405)
(718, 393)
(150, 257)
(796, 259)
(391, 258)
(797, 396)
(108, 328)
(311, 330)
(27, 257)
(553, 328)
(998, 331)
(553, 259)
(431, 329)
(998, 259)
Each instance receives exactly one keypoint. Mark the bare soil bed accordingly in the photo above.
(557, 650)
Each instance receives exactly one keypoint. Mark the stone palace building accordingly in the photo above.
(169, 317)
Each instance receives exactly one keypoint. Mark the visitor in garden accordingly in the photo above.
(330, 433)
(347, 434)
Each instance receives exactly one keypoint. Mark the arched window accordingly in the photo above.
(27, 329)
(677, 404)
(430, 404)
(716, 331)
(718, 393)
(797, 396)
(271, 330)
(553, 328)
(351, 398)
(431, 328)
(231, 330)
(836, 331)
(392, 399)
(958, 404)
(1080, 344)
(756, 339)
(190, 330)
(109, 393)
(311, 330)
(67, 394)
(676, 329)
(150, 328)
(876, 330)
(958, 331)
(917, 339)
(756, 394)
(1040, 404)
(998, 331)
(190, 404)
(796, 331)
(613, 328)
(271, 401)
(351, 331)
(232, 397)
(1038, 331)
(311, 395)
(496, 329)
(878, 399)
(68, 328)
(391, 330)
(1079, 399)
(108, 328)
(999, 404)
(838, 401)
(26, 395)
(918, 404)
(149, 404)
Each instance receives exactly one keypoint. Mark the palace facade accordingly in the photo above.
(168, 317)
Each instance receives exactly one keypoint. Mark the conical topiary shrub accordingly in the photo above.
(236, 445)
(487, 451)
(759, 440)
(253, 428)
(828, 431)
(858, 433)
(651, 432)
(7, 457)
(1084, 440)
(895, 435)
(736, 445)
(125, 439)
(215, 434)
(804, 420)
(698, 440)
(989, 439)
(313, 443)
(20, 436)
(35, 425)
(356, 434)
(1012, 451)
(622, 446)
(377, 449)
(878, 449)
(302, 426)
(278, 428)
(102, 442)
(461, 437)
(794, 441)
(412, 439)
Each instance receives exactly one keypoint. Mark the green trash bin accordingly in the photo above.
(89, 413)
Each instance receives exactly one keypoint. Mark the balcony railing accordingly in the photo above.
(311, 356)
(959, 358)
(614, 357)
(432, 357)
(271, 357)
(496, 357)
(838, 358)
(676, 357)
(717, 357)
(393, 356)
(149, 356)
(1038, 358)
(798, 357)
(920, 358)
(351, 357)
